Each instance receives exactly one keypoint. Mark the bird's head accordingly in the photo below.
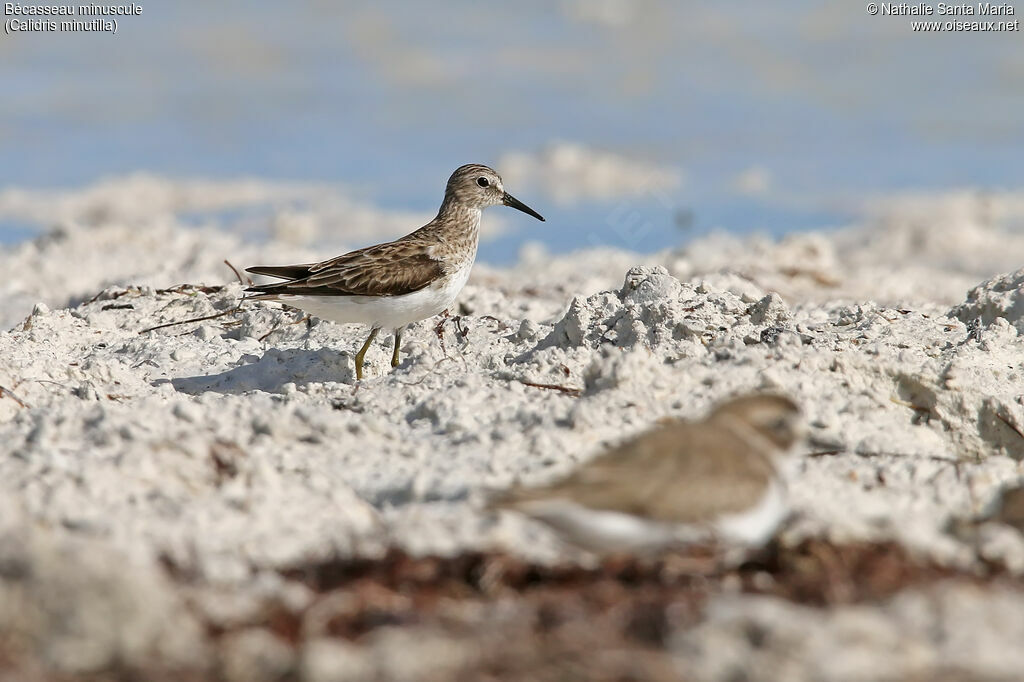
(477, 186)
(775, 418)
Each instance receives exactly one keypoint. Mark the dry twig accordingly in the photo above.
(568, 390)
(10, 394)
(304, 318)
(194, 319)
(1010, 424)
(238, 274)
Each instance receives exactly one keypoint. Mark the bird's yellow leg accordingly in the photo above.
(362, 353)
(398, 341)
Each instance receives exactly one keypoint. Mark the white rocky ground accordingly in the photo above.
(237, 446)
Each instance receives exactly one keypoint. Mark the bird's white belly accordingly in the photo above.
(756, 526)
(607, 531)
(389, 312)
(598, 530)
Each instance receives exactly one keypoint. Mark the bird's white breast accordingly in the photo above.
(608, 531)
(755, 526)
(388, 312)
(599, 530)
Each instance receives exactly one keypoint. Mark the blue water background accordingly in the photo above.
(388, 97)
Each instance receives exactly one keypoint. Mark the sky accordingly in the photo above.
(768, 116)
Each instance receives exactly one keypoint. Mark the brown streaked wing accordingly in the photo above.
(598, 483)
(684, 473)
(391, 269)
(717, 473)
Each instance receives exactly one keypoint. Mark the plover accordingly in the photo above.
(721, 478)
(393, 284)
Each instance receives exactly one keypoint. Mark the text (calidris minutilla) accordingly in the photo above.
(396, 283)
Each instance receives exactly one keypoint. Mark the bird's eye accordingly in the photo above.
(482, 182)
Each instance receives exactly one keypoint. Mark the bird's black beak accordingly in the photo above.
(510, 200)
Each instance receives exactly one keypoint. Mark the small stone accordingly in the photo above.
(770, 310)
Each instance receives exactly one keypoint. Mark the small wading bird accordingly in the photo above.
(719, 478)
(393, 284)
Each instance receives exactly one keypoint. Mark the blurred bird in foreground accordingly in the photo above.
(721, 478)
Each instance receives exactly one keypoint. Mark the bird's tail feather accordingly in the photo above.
(281, 271)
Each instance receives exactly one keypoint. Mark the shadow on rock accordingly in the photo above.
(272, 371)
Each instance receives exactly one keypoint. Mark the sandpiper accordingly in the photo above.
(720, 478)
(393, 284)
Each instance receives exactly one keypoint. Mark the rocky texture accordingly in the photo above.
(1000, 298)
(174, 466)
